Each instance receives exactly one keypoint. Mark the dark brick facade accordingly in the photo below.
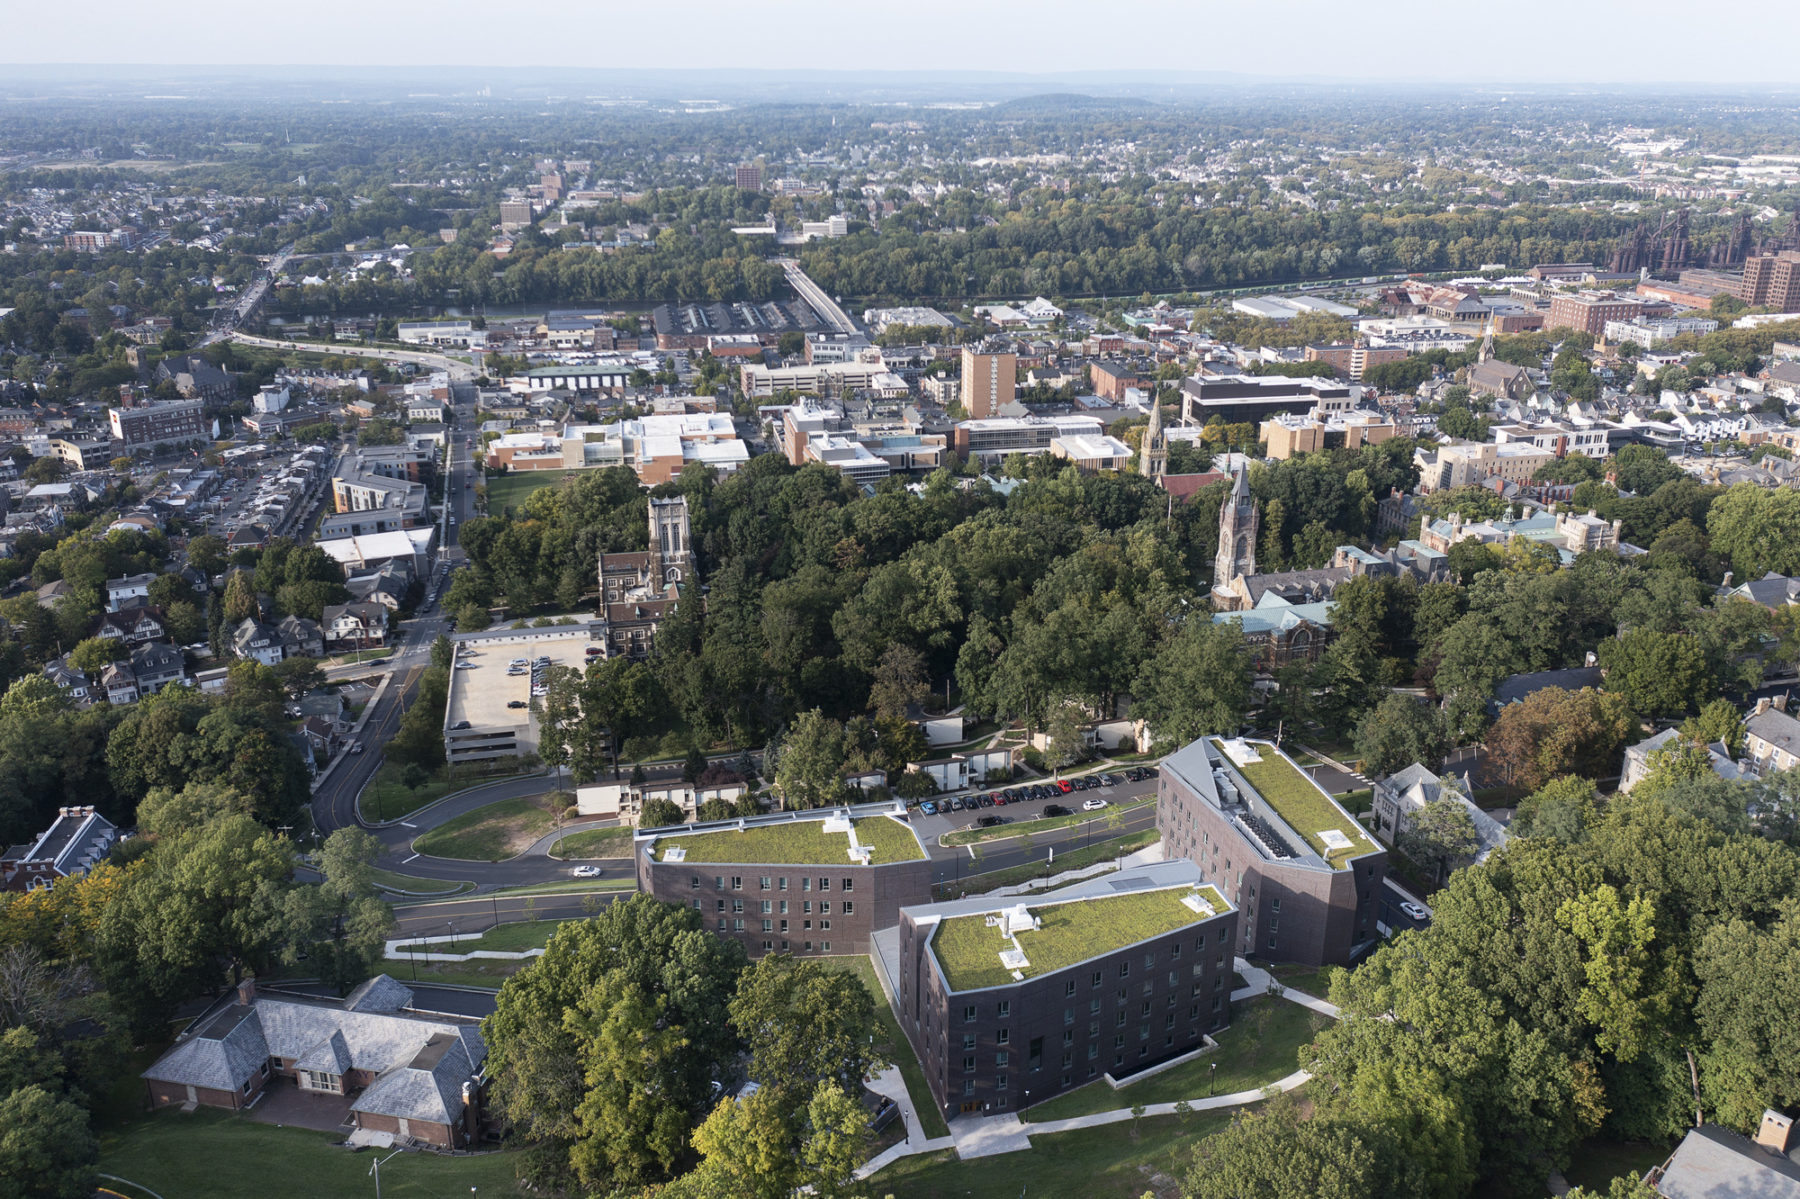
(795, 908)
(1292, 909)
(1002, 1048)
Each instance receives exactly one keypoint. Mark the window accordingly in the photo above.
(807, 924)
(968, 1041)
(781, 885)
(737, 926)
(1175, 949)
(1271, 942)
(719, 905)
(825, 924)
(718, 882)
(824, 884)
(1096, 978)
(724, 924)
(968, 1086)
(1093, 1007)
(737, 905)
(737, 883)
(1093, 1051)
(766, 907)
(1124, 969)
(1118, 1040)
(783, 906)
(1005, 1011)
(768, 926)
(1000, 1084)
(1003, 1037)
(849, 908)
(806, 906)
(767, 945)
(824, 907)
(1149, 960)
(1002, 1058)
(1200, 944)
(809, 947)
(1275, 904)
(696, 882)
(969, 1064)
(849, 884)
(784, 926)
(1069, 1037)
(806, 884)
(1069, 987)
(825, 946)
(1119, 1021)
(969, 1014)
(784, 944)
(765, 882)
(1068, 1016)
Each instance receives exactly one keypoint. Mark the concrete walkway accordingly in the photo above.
(891, 1084)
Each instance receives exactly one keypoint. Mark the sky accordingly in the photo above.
(1526, 41)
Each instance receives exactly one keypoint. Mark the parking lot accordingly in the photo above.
(932, 825)
(492, 683)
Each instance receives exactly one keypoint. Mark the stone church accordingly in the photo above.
(639, 590)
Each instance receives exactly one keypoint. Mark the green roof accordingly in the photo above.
(1302, 805)
(968, 947)
(799, 841)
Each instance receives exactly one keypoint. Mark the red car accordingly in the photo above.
(1065, 786)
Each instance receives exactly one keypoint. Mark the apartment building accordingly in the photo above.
(515, 214)
(1303, 875)
(378, 490)
(988, 376)
(1467, 463)
(1772, 281)
(1589, 311)
(871, 378)
(1351, 358)
(1009, 1001)
(805, 883)
(166, 422)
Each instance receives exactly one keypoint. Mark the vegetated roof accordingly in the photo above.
(797, 841)
(968, 948)
(1300, 803)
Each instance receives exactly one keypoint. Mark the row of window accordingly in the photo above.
(768, 926)
(1001, 1080)
(781, 884)
(848, 907)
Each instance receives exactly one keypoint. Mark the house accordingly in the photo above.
(249, 537)
(958, 771)
(121, 592)
(76, 841)
(300, 637)
(118, 683)
(1771, 737)
(156, 665)
(1772, 591)
(412, 1074)
(355, 625)
(133, 626)
(627, 801)
(257, 641)
(74, 682)
(322, 736)
(1520, 687)
(1638, 766)
(1716, 1163)
(1404, 792)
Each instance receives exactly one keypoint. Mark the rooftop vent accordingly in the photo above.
(1019, 919)
(675, 853)
(1014, 959)
(1335, 839)
(1192, 900)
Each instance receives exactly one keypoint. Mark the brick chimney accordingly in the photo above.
(1776, 1131)
(246, 991)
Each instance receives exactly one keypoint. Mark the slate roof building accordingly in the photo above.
(1716, 1163)
(77, 841)
(415, 1075)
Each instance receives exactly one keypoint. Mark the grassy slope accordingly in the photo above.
(487, 834)
(595, 843)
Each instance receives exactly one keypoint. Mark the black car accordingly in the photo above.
(991, 821)
(1012, 795)
(1056, 809)
(987, 801)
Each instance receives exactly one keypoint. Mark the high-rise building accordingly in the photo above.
(987, 381)
(1772, 281)
(749, 176)
(515, 214)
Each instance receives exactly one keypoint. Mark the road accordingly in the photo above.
(813, 294)
(457, 916)
(457, 370)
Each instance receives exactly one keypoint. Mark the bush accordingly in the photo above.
(1032, 758)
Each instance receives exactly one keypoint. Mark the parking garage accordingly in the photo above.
(489, 711)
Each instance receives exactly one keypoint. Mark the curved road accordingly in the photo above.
(459, 371)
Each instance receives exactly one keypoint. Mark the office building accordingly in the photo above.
(806, 883)
(1009, 1001)
(167, 422)
(1351, 358)
(989, 441)
(749, 176)
(1304, 876)
(1286, 435)
(988, 375)
(1589, 311)
(1772, 281)
(1236, 399)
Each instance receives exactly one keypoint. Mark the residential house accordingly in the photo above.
(133, 626)
(118, 683)
(257, 641)
(972, 769)
(1638, 764)
(121, 592)
(1771, 737)
(74, 683)
(413, 1074)
(355, 625)
(1713, 1162)
(76, 841)
(156, 665)
(300, 637)
(1403, 793)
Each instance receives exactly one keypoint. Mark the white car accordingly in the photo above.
(585, 872)
(1417, 911)
(1093, 805)
(465, 666)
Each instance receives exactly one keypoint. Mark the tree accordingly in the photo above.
(443, 652)
(1198, 682)
(693, 765)
(207, 552)
(806, 1025)
(342, 923)
(1641, 469)
(1555, 732)
(1563, 809)
(299, 675)
(185, 622)
(661, 813)
(1066, 745)
(46, 1148)
(1439, 834)
(1275, 1152)
(1618, 997)
(836, 1143)
(812, 762)
(1719, 721)
(95, 653)
(1658, 674)
(900, 682)
(240, 598)
(1757, 531)
(1400, 731)
(605, 1047)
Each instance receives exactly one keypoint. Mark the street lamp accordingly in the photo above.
(375, 1169)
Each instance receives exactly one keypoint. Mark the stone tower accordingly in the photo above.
(1153, 455)
(671, 551)
(1239, 523)
(1487, 343)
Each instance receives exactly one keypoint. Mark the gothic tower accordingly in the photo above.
(1487, 343)
(1153, 459)
(671, 554)
(1239, 523)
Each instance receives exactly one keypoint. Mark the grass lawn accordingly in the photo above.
(488, 834)
(967, 836)
(1596, 1163)
(796, 841)
(1099, 851)
(969, 949)
(387, 798)
(510, 490)
(1094, 1163)
(1261, 1046)
(1299, 801)
(422, 886)
(1316, 983)
(595, 843)
(896, 1047)
(510, 937)
(482, 972)
(210, 1153)
(573, 886)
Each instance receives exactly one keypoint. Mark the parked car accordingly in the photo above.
(1417, 911)
(956, 803)
(1095, 804)
(1056, 809)
(585, 872)
(1109, 780)
(461, 724)
(517, 703)
(991, 821)
(1065, 786)
(929, 807)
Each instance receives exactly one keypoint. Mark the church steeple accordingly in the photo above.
(1153, 455)
(1487, 343)
(1239, 523)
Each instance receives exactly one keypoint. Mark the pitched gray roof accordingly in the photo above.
(1715, 1163)
(429, 1086)
(330, 1056)
(1777, 728)
(223, 1055)
(379, 994)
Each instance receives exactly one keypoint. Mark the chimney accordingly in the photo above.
(1776, 1131)
(246, 991)
(1727, 582)
(1762, 705)
(1781, 701)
